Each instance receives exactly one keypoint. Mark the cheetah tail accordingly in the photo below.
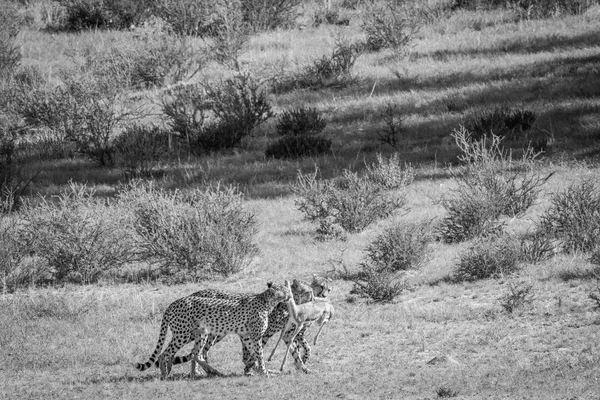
(161, 341)
(178, 360)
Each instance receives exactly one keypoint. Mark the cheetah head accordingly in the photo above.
(277, 293)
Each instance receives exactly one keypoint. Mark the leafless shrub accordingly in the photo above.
(78, 236)
(193, 235)
(351, 203)
(520, 294)
(389, 174)
(491, 185)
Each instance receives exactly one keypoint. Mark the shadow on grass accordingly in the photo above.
(580, 274)
(520, 45)
(154, 377)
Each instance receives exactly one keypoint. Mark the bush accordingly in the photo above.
(14, 246)
(536, 249)
(262, 15)
(299, 128)
(101, 14)
(506, 123)
(489, 258)
(391, 134)
(380, 286)
(298, 146)
(79, 237)
(574, 217)
(152, 57)
(84, 111)
(399, 248)
(10, 26)
(334, 70)
(352, 203)
(16, 170)
(194, 235)
(491, 185)
(300, 121)
(389, 174)
(519, 294)
(386, 26)
(217, 116)
(230, 34)
(140, 149)
(186, 17)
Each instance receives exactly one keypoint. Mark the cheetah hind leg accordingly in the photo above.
(201, 337)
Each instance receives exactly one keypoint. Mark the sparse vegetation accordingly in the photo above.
(191, 236)
(216, 116)
(488, 258)
(389, 174)
(574, 217)
(520, 293)
(400, 247)
(298, 129)
(352, 203)
(491, 185)
(79, 237)
(387, 27)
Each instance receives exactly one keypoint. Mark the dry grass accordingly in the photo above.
(72, 342)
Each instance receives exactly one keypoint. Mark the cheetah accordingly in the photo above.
(190, 316)
(278, 319)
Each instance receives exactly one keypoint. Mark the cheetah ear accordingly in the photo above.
(269, 284)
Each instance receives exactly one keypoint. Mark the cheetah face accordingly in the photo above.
(278, 293)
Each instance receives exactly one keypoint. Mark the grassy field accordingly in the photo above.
(437, 339)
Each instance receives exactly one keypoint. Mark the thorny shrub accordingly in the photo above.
(537, 248)
(351, 202)
(153, 56)
(520, 293)
(507, 123)
(14, 248)
(101, 14)
(215, 116)
(387, 26)
(574, 217)
(141, 149)
(80, 238)
(393, 131)
(491, 185)
(333, 70)
(194, 235)
(379, 286)
(84, 110)
(389, 174)
(16, 172)
(10, 53)
(488, 258)
(298, 128)
(398, 248)
(186, 17)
